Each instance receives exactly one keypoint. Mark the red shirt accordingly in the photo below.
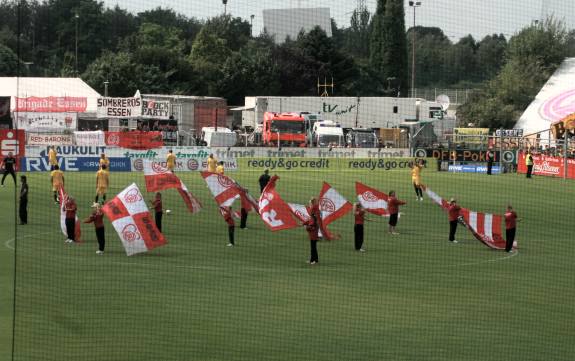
(359, 216)
(157, 203)
(314, 224)
(510, 219)
(393, 205)
(453, 212)
(70, 209)
(97, 218)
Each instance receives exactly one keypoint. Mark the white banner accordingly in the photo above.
(49, 139)
(153, 109)
(119, 107)
(31, 121)
(95, 138)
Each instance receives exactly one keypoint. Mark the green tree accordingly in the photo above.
(491, 55)
(9, 63)
(124, 75)
(431, 44)
(359, 33)
(377, 43)
(250, 71)
(532, 57)
(394, 48)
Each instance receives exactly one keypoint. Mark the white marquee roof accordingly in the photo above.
(45, 87)
(554, 102)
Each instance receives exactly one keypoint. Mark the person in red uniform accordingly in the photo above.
(97, 217)
(452, 214)
(227, 214)
(510, 225)
(359, 214)
(313, 226)
(70, 207)
(157, 204)
(393, 208)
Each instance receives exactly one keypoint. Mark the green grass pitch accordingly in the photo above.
(413, 296)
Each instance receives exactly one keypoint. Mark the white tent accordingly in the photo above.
(24, 87)
(555, 101)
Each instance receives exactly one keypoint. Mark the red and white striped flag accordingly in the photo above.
(223, 188)
(371, 199)
(158, 178)
(274, 211)
(63, 199)
(332, 204)
(485, 227)
(131, 219)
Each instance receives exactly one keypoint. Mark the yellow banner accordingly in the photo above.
(471, 135)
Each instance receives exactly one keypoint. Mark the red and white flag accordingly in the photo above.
(274, 211)
(159, 178)
(131, 219)
(485, 227)
(371, 199)
(223, 188)
(63, 199)
(332, 204)
(300, 211)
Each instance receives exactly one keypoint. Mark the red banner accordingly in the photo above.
(12, 141)
(547, 166)
(51, 104)
(135, 140)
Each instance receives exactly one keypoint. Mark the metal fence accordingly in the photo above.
(457, 96)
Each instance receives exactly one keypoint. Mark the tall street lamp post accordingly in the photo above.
(414, 5)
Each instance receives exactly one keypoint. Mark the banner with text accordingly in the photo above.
(49, 139)
(119, 107)
(153, 109)
(457, 155)
(93, 138)
(187, 165)
(183, 152)
(50, 104)
(31, 121)
(74, 164)
(547, 166)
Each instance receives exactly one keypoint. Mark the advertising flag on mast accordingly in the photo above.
(131, 219)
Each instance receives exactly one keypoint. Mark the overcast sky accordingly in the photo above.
(456, 18)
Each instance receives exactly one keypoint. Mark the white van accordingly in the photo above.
(222, 137)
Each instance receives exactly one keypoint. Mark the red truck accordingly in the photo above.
(287, 128)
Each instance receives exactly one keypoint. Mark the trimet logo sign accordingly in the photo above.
(12, 141)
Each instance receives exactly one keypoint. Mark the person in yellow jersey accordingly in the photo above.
(57, 180)
(104, 161)
(102, 183)
(220, 168)
(416, 167)
(171, 161)
(212, 163)
(52, 159)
